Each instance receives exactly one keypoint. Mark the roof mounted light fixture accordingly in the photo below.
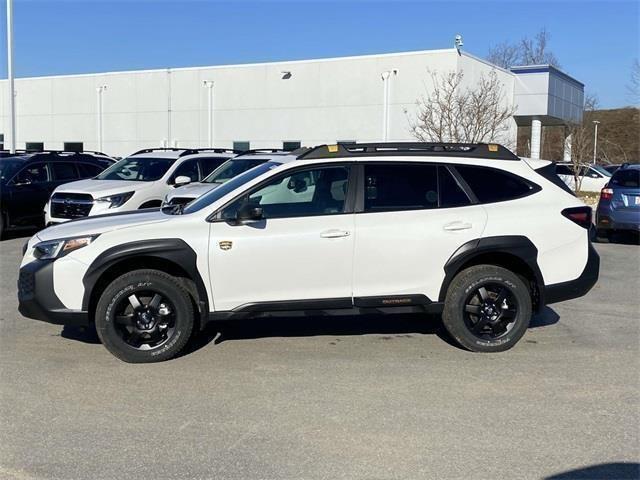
(459, 43)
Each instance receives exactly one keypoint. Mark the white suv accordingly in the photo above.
(225, 172)
(592, 178)
(469, 231)
(139, 181)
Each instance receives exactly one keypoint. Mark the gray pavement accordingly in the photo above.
(338, 398)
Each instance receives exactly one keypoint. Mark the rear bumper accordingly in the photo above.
(560, 292)
(37, 298)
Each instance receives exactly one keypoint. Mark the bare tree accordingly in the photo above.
(633, 88)
(452, 112)
(582, 142)
(528, 51)
(504, 55)
(536, 51)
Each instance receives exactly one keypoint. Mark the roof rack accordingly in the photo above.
(161, 149)
(37, 152)
(191, 151)
(264, 150)
(491, 151)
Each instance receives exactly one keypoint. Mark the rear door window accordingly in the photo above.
(492, 185)
(390, 187)
(63, 171)
(88, 170)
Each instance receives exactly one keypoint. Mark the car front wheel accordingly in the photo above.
(144, 316)
(487, 308)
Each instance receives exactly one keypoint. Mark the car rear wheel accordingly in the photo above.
(487, 308)
(145, 316)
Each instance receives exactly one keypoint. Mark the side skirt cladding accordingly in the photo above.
(519, 248)
(172, 250)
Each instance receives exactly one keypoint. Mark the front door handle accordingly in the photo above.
(335, 233)
(456, 226)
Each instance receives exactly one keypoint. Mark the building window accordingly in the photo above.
(1, 141)
(346, 142)
(290, 146)
(73, 146)
(242, 146)
(34, 146)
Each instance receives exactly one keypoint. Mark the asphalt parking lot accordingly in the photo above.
(339, 398)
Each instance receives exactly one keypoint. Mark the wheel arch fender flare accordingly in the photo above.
(173, 250)
(518, 247)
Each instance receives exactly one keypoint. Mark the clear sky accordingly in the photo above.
(596, 42)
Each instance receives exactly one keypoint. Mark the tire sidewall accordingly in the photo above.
(131, 283)
(471, 280)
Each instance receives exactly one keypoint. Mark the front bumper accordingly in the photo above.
(37, 298)
(578, 287)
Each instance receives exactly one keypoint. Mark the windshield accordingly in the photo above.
(8, 168)
(232, 168)
(137, 169)
(228, 187)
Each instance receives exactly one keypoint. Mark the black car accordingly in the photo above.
(27, 180)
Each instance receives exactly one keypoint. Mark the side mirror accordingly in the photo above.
(249, 212)
(181, 180)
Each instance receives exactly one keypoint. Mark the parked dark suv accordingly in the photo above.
(619, 205)
(27, 180)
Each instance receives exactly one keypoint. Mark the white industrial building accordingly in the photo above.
(360, 98)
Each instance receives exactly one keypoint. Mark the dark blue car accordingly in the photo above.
(619, 205)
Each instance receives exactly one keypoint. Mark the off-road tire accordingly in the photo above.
(472, 278)
(144, 280)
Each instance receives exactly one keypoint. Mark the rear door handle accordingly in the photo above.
(455, 226)
(335, 233)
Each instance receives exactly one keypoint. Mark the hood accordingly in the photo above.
(193, 190)
(102, 224)
(101, 188)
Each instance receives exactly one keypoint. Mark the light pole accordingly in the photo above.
(100, 90)
(209, 85)
(595, 140)
(386, 89)
(12, 97)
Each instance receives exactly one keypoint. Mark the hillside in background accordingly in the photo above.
(618, 137)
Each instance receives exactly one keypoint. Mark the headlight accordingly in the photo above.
(59, 248)
(117, 200)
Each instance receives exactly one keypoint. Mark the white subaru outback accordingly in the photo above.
(138, 181)
(469, 231)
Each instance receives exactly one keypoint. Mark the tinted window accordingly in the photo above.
(629, 178)
(73, 146)
(208, 165)
(34, 146)
(563, 170)
(141, 169)
(64, 171)
(400, 187)
(231, 168)
(290, 146)
(451, 194)
(35, 173)
(88, 170)
(320, 191)
(187, 169)
(491, 185)
(241, 146)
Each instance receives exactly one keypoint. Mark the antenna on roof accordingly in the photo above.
(459, 43)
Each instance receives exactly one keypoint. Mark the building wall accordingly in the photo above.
(322, 102)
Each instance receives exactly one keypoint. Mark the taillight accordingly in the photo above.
(606, 194)
(579, 215)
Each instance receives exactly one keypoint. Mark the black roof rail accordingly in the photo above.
(264, 150)
(159, 149)
(191, 151)
(491, 151)
(55, 152)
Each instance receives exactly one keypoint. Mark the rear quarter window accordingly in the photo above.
(491, 185)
